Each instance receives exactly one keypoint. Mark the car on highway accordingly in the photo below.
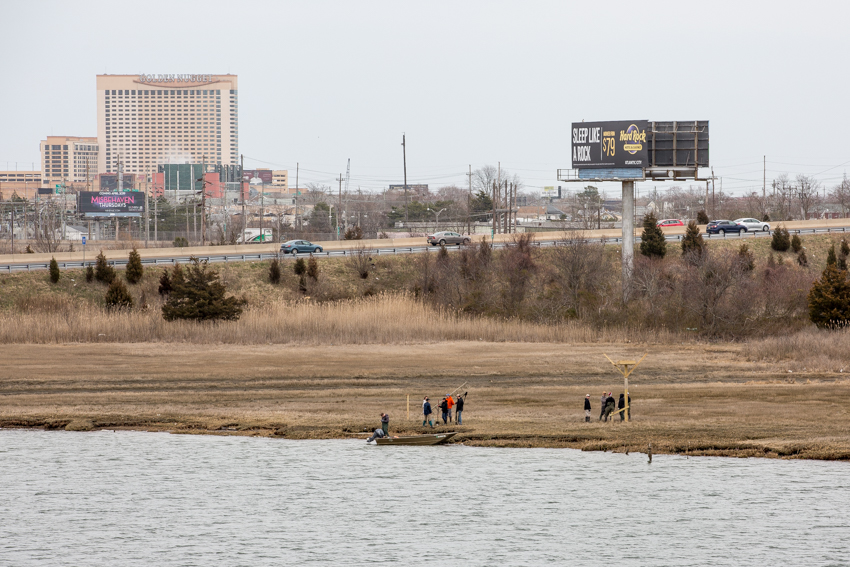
(724, 226)
(754, 224)
(299, 247)
(447, 237)
(667, 223)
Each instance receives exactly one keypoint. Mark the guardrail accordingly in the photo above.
(218, 258)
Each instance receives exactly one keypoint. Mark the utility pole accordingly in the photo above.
(242, 192)
(204, 202)
(404, 155)
(469, 203)
(13, 228)
(713, 200)
(339, 205)
(156, 214)
(147, 212)
(297, 221)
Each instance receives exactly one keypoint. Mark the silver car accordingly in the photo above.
(447, 237)
(753, 224)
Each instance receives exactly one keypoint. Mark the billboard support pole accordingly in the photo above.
(628, 237)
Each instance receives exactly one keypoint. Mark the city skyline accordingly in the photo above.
(469, 84)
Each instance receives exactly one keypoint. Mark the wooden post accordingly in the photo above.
(625, 371)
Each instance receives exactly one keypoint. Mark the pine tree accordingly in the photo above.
(103, 272)
(117, 297)
(781, 240)
(299, 267)
(746, 257)
(693, 243)
(842, 255)
(199, 295)
(830, 256)
(702, 218)
(313, 269)
(54, 270)
(652, 242)
(274, 271)
(89, 274)
(802, 259)
(796, 244)
(829, 299)
(164, 283)
(135, 271)
(765, 218)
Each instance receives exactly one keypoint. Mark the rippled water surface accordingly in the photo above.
(127, 498)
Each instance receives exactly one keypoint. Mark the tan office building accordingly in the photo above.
(24, 184)
(71, 160)
(147, 120)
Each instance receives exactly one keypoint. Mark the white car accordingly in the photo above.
(753, 224)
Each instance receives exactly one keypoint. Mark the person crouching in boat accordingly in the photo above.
(383, 431)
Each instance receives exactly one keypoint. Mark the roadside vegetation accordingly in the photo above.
(720, 290)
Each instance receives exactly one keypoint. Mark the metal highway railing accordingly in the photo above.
(216, 258)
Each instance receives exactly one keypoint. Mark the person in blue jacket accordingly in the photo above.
(426, 411)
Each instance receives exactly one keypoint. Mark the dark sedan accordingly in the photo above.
(724, 226)
(299, 247)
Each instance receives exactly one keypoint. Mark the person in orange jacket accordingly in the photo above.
(451, 404)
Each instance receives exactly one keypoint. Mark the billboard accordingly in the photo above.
(128, 203)
(679, 144)
(109, 181)
(605, 145)
(265, 175)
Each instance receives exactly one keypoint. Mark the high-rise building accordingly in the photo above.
(71, 160)
(147, 120)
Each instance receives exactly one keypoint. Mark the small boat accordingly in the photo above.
(431, 439)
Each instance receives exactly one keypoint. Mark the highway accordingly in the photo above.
(167, 256)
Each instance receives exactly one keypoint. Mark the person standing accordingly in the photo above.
(610, 403)
(444, 407)
(450, 401)
(602, 404)
(426, 411)
(630, 407)
(621, 405)
(385, 423)
(587, 408)
(459, 409)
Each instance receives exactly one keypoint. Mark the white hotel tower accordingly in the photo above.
(146, 120)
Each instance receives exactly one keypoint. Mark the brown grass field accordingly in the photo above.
(699, 399)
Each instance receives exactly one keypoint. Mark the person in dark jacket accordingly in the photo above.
(459, 409)
(621, 405)
(587, 408)
(444, 407)
(630, 407)
(385, 423)
(602, 404)
(610, 403)
(426, 411)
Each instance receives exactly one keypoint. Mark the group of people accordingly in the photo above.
(609, 405)
(446, 405)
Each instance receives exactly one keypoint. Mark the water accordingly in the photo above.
(127, 498)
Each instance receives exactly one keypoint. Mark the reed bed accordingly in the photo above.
(810, 349)
(384, 319)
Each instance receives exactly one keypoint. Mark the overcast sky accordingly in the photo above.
(470, 83)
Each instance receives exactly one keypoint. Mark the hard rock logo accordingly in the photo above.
(633, 138)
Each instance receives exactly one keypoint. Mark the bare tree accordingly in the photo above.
(807, 193)
(783, 192)
(841, 194)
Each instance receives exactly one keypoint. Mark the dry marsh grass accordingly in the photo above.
(384, 319)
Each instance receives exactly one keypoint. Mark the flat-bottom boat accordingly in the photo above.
(431, 439)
